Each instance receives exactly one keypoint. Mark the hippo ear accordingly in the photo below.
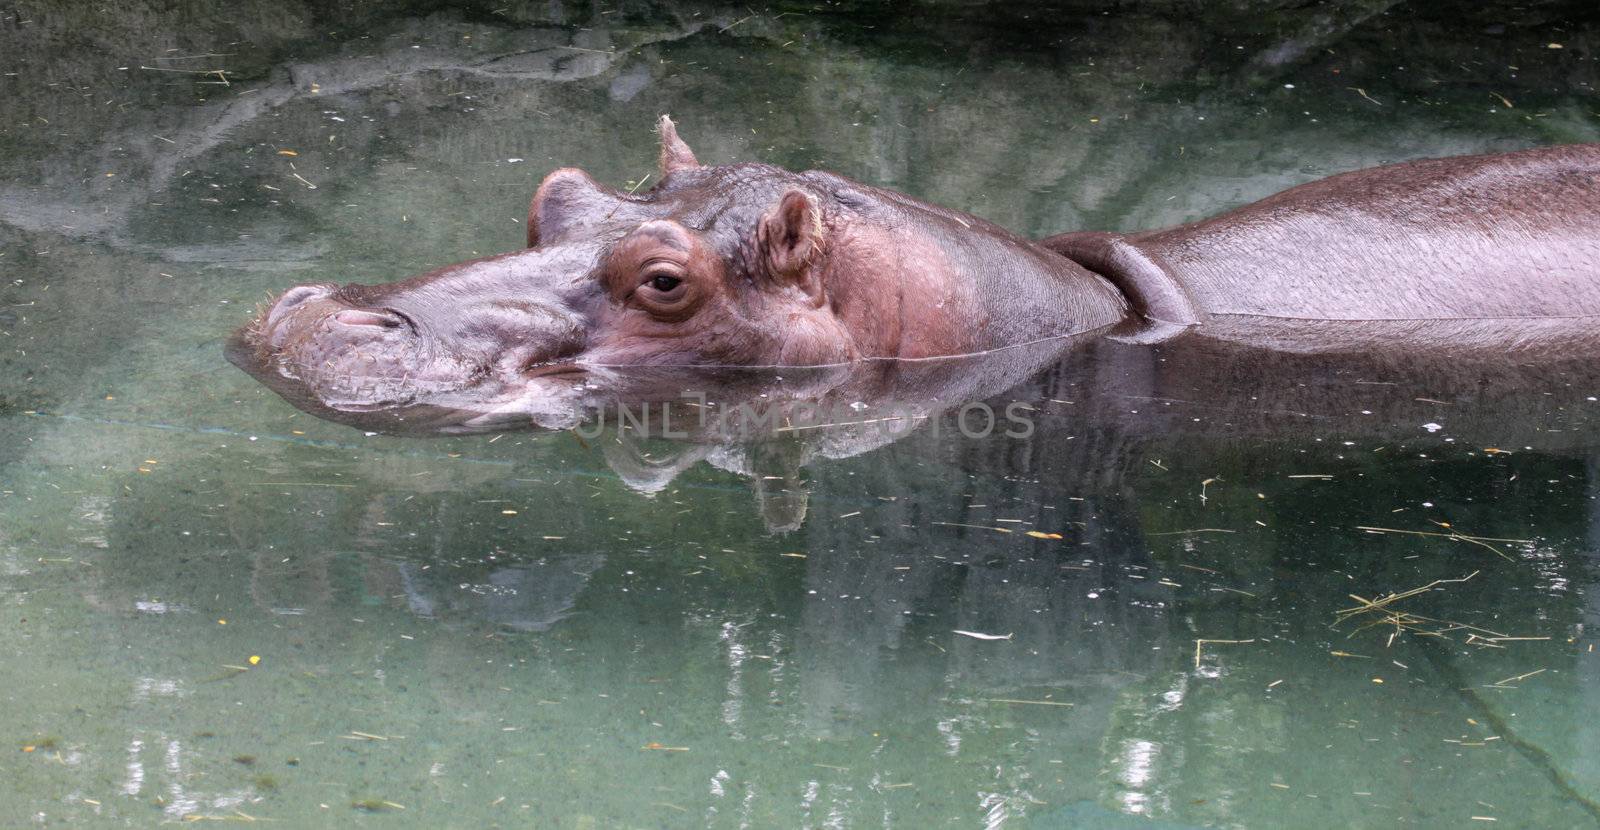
(675, 155)
(566, 199)
(790, 239)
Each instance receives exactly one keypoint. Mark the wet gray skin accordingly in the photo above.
(501, 342)
(412, 367)
(752, 266)
(468, 347)
(611, 629)
(730, 267)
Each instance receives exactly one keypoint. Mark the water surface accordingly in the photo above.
(215, 606)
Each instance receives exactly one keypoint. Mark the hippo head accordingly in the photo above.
(746, 265)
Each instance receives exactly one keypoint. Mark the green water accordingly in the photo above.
(508, 631)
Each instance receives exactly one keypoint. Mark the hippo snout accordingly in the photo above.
(359, 348)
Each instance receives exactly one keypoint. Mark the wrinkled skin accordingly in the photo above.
(754, 266)
(746, 265)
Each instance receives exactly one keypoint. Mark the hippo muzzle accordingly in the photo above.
(461, 354)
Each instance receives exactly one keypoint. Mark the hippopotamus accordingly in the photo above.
(756, 267)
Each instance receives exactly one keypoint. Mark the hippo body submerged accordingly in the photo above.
(1468, 253)
(754, 266)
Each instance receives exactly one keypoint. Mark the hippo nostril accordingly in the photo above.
(377, 318)
(293, 299)
(299, 295)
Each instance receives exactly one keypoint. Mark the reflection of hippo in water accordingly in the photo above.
(526, 596)
(752, 265)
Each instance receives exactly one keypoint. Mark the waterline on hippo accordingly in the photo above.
(744, 266)
(752, 267)
(704, 404)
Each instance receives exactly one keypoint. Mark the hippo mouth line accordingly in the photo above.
(562, 370)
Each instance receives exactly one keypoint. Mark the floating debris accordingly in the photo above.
(1363, 94)
(1502, 683)
(1482, 541)
(1382, 611)
(368, 736)
(978, 635)
(376, 805)
(975, 527)
(236, 815)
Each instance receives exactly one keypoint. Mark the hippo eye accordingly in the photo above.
(665, 289)
(663, 281)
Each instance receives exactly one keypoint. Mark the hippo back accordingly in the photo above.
(1498, 252)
